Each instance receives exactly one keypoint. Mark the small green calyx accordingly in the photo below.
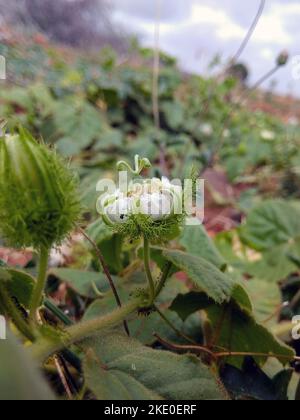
(39, 203)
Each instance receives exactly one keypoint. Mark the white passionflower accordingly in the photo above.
(152, 208)
(157, 205)
(156, 198)
(119, 210)
(159, 199)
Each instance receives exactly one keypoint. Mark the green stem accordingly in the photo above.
(40, 285)
(58, 313)
(13, 312)
(176, 330)
(148, 270)
(164, 278)
(78, 332)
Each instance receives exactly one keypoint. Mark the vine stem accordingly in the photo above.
(250, 31)
(164, 278)
(40, 285)
(196, 349)
(265, 77)
(156, 67)
(12, 311)
(155, 86)
(148, 270)
(44, 349)
(199, 349)
(107, 273)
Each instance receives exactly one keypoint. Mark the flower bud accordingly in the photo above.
(283, 58)
(39, 204)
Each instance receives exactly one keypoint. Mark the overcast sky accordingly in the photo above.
(195, 30)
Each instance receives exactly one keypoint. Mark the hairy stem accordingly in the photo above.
(40, 285)
(200, 349)
(107, 274)
(164, 278)
(83, 330)
(13, 312)
(148, 270)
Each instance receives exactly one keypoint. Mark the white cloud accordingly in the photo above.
(271, 28)
(274, 24)
(208, 17)
(224, 26)
(267, 53)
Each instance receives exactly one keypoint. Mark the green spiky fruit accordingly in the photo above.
(39, 203)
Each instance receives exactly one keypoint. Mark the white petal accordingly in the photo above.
(157, 205)
(120, 210)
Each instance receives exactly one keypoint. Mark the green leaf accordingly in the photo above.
(18, 96)
(272, 223)
(108, 303)
(19, 284)
(237, 331)
(112, 253)
(273, 228)
(173, 113)
(185, 305)
(197, 242)
(275, 264)
(241, 298)
(20, 379)
(99, 231)
(109, 243)
(79, 124)
(266, 298)
(205, 276)
(119, 368)
(142, 327)
(110, 139)
(83, 282)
